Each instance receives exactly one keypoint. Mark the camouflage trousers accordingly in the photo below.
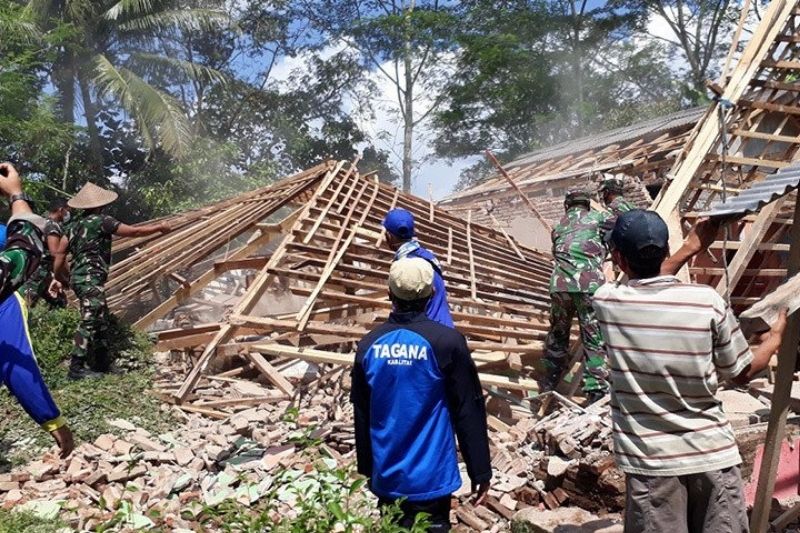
(564, 306)
(91, 337)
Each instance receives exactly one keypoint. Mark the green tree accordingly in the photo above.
(700, 34)
(407, 43)
(533, 74)
(111, 52)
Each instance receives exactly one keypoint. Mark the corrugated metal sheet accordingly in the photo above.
(762, 193)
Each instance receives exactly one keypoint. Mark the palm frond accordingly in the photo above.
(133, 8)
(191, 70)
(154, 110)
(185, 19)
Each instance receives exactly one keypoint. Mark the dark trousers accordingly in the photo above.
(438, 512)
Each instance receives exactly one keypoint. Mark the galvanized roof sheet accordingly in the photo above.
(762, 193)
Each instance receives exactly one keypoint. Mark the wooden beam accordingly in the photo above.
(749, 246)
(253, 294)
(522, 195)
(270, 372)
(787, 360)
(472, 282)
(334, 358)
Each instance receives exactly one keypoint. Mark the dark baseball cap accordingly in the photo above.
(399, 223)
(639, 234)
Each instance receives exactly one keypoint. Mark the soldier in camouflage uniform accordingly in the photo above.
(578, 251)
(38, 286)
(89, 235)
(612, 192)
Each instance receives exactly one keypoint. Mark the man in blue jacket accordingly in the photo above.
(401, 239)
(414, 389)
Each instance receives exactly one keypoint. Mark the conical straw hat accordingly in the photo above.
(91, 196)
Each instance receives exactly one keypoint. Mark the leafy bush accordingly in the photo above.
(88, 404)
(17, 522)
(328, 497)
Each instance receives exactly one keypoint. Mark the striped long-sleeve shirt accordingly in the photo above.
(670, 344)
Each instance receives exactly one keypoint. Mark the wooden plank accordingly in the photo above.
(392, 205)
(335, 358)
(184, 293)
(450, 246)
(507, 236)
(749, 246)
(270, 372)
(337, 252)
(522, 195)
(787, 360)
(472, 282)
(211, 413)
(253, 294)
(751, 161)
(248, 400)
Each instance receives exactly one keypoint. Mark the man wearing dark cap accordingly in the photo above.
(414, 390)
(670, 344)
(578, 253)
(401, 239)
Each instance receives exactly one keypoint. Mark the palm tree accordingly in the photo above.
(110, 48)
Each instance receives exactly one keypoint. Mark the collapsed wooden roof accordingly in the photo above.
(330, 252)
(642, 150)
(757, 116)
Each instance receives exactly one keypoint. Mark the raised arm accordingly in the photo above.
(125, 230)
(700, 237)
(24, 245)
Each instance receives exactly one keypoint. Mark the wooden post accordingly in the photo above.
(472, 282)
(787, 359)
(521, 194)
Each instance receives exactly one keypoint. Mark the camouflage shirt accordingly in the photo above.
(90, 247)
(578, 251)
(20, 257)
(618, 206)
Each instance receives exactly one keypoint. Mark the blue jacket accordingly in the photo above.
(415, 388)
(438, 308)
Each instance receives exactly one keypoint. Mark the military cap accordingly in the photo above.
(612, 185)
(578, 196)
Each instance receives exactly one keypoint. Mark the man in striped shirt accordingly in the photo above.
(670, 344)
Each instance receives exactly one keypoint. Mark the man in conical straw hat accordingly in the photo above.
(89, 235)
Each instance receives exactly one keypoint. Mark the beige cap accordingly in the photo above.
(91, 196)
(411, 278)
(33, 218)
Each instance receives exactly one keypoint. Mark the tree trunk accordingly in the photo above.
(64, 81)
(90, 112)
(408, 142)
(408, 119)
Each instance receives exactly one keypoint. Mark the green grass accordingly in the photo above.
(17, 522)
(88, 404)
